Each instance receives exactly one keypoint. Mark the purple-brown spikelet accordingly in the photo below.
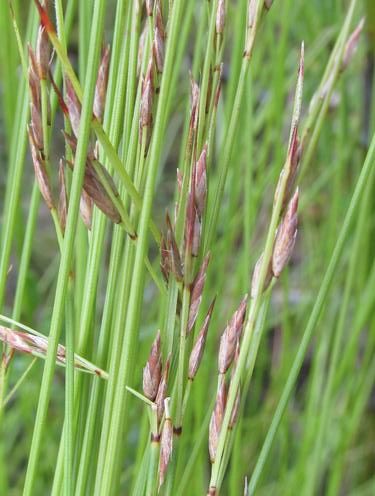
(95, 189)
(201, 182)
(73, 106)
(294, 158)
(36, 126)
(44, 17)
(217, 419)
(63, 199)
(166, 443)
(174, 253)
(255, 279)
(285, 237)
(268, 4)
(101, 84)
(34, 81)
(165, 262)
(230, 337)
(162, 390)
(220, 17)
(159, 40)
(196, 292)
(237, 401)
(42, 53)
(198, 348)
(145, 111)
(152, 370)
(252, 7)
(352, 44)
(195, 94)
(85, 209)
(41, 175)
(149, 7)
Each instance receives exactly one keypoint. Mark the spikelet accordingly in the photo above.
(101, 85)
(230, 337)
(166, 443)
(285, 237)
(152, 370)
(198, 348)
(217, 419)
(196, 292)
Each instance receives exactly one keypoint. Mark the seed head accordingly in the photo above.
(285, 237)
(152, 370)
